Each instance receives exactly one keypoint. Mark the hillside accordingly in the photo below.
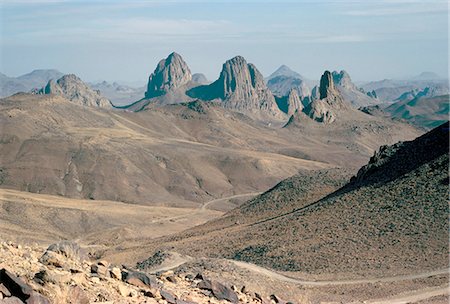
(426, 112)
(390, 219)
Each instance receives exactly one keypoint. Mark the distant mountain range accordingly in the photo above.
(27, 82)
(389, 90)
(240, 87)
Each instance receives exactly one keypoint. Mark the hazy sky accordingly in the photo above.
(124, 40)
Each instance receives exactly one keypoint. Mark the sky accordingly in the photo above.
(124, 40)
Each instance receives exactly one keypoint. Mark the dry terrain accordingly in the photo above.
(389, 221)
(152, 187)
(176, 155)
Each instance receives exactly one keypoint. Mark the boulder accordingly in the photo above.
(20, 290)
(139, 279)
(116, 273)
(219, 290)
(12, 300)
(169, 297)
(77, 296)
(68, 249)
(100, 269)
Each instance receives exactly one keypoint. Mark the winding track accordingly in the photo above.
(205, 205)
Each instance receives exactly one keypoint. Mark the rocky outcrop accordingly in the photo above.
(372, 94)
(240, 87)
(294, 103)
(391, 162)
(326, 87)
(330, 102)
(14, 290)
(170, 74)
(291, 103)
(357, 97)
(74, 89)
(343, 79)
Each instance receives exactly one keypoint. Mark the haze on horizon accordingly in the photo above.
(124, 40)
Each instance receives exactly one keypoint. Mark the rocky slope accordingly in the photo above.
(241, 88)
(64, 273)
(76, 91)
(390, 219)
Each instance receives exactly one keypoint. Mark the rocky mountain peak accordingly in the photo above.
(343, 79)
(241, 87)
(330, 102)
(74, 89)
(326, 87)
(170, 74)
(294, 102)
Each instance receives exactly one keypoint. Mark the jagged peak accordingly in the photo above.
(170, 74)
(326, 85)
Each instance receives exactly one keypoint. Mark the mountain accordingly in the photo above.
(291, 103)
(119, 94)
(388, 90)
(283, 80)
(390, 219)
(27, 82)
(330, 102)
(433, 91)
(350, 92)
(286, 72)
(38, 78)
(167, 84)
(199, 78)
(10, 86)
(282, 85)
(76, 91)
(422, 111)
(241, 88)
(427, 76)
(170, 74)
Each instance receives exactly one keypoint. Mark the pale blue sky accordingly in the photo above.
(124, 40)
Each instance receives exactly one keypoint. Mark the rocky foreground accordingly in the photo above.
(64, 274)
